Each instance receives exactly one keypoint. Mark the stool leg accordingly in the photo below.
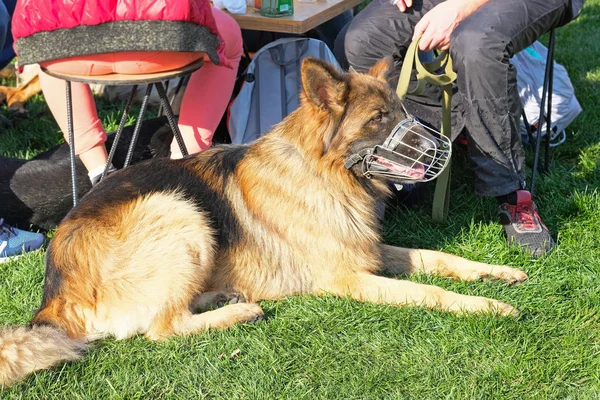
(527, 127)
(538, 140)
(138, 126)
(160, 107)
(180, 84)
(71, 140)
(113, 148)
(549, 60)
(169, 113)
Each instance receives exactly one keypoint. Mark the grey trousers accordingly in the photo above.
(486, 100)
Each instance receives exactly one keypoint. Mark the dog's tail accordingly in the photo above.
(27, 349)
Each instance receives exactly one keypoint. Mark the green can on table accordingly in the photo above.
(277, 8)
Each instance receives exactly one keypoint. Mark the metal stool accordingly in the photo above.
(151, 80)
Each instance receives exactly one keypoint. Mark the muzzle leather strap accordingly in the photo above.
(438, 72)
(356, 158)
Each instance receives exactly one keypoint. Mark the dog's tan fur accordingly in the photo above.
(285, 218)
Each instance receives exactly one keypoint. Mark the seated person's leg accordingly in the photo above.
(209, 91)
(90, 65)
(328, 31)
(481, 47)
(89, 133)
(381, 30)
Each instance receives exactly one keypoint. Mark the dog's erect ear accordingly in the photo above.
(324, 86)
(381, 69)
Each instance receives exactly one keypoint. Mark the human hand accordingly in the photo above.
(438, 24)
(403, 5)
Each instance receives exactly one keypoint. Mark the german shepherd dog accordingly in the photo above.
(155, 246)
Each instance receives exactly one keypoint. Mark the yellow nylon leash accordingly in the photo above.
(438, 72)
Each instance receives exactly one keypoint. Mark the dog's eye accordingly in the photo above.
(378, 117)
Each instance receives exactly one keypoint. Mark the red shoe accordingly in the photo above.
(524, 226)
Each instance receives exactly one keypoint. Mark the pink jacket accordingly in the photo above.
(53, 29)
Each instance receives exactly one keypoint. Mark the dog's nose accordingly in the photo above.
(418, 142)
(423, 140)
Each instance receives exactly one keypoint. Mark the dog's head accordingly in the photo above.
(368, 126)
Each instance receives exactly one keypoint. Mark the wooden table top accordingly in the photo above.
(306, 16)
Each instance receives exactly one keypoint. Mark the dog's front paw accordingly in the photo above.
(503, 309)
(246, 312)
(472, 304)
(512, 276)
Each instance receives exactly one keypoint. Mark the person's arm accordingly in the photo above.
(438, 24)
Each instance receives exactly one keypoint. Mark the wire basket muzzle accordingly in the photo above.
(412, 152)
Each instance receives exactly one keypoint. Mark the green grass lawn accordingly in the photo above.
(333, 348)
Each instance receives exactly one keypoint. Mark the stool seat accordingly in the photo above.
(153, 79)
(129, 79)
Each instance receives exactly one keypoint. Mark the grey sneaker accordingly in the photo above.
(524, 226)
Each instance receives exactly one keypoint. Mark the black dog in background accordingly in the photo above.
(38, 191)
